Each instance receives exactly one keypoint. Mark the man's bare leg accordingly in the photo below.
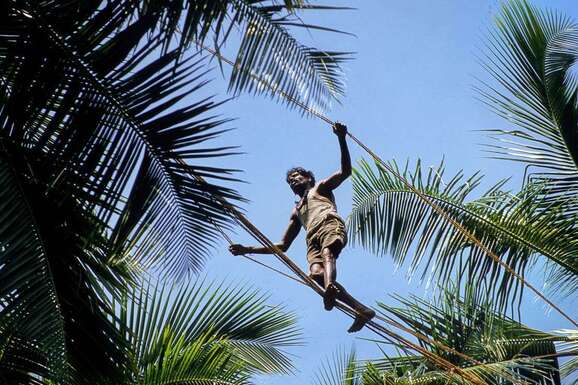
(316, 273)
(329, 274)
(363, 313)
(334, 290)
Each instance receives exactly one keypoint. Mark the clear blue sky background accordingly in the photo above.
(409, 96)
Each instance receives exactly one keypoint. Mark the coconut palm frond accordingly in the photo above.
(486, 344)
(283, 65)
(71, 247)
(529, 55)
(569, 368)
(204, 332)
(388, 217)
(32, 340)
(111, 123)
(568, 348)
(340, 369)
(269, 59)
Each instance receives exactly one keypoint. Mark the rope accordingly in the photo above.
(228, 239)
(423, 197)
(371, 324)
(375, 327)
(378, 329)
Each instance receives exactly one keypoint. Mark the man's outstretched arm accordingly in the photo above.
(336, 179)
(288, 238)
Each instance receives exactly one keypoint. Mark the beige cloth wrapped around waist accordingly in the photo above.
(318, 215)
(326, 233)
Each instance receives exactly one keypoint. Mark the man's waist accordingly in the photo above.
(318, 222)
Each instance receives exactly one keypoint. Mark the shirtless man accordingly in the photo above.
(326, 237)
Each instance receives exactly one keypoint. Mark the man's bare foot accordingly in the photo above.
(361, 319)
(329, 297)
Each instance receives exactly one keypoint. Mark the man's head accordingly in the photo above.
(300, 179)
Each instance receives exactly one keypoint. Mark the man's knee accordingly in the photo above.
(332, 250)
(316, 272)
(316, 269)
(330, 253)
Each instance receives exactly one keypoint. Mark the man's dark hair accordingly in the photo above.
(301, 171)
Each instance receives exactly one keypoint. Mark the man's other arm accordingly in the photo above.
(288, 237)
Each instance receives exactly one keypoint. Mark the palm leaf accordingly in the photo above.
(268, 52)
(72, 248)
(340, 369)
(102, 121)
(32, 340)
(504, 350)
(205, 333)
(569, 348)
(529, 56)
(388, 217)
(269, 59)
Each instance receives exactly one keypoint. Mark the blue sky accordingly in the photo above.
(409, 96)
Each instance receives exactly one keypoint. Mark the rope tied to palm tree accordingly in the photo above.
(390, 169)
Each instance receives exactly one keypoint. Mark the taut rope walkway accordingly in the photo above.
(375, 327)
(306, 280)
(371, 324)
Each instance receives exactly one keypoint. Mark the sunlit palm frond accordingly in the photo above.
(205, 333)
(568, 348)
(529, 56)
(490, 346)
(569, 369)
(267, 50)
(373, 376)
(285, 66)
(388, 217)
(340, 369)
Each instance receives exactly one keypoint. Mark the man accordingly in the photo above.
(326, 236)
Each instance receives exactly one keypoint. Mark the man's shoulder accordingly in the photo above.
(321, 190)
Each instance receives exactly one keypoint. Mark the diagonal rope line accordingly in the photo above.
(375, 327)
(384, 319)
(422, 196)
(228, 239)
(379, 329)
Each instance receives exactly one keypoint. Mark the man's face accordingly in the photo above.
(298, 182)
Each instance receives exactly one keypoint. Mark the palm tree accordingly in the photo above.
(101, 160)
(389, 217)
(340, 369)
(529, 57)
(199, 333)
(493, 348)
